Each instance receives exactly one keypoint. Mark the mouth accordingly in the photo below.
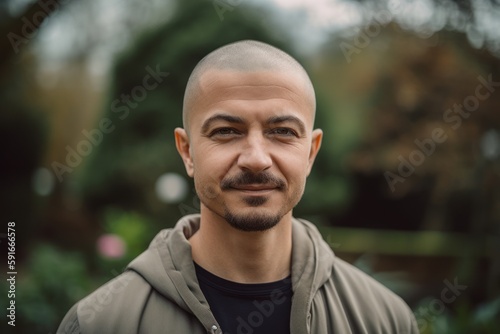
(255, 189)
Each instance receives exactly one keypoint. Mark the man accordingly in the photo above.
(244, 265)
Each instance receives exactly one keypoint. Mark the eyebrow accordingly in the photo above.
(221, 117)
(287, 118)
(238, 120)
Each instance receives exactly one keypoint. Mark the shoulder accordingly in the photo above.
(70, 324)
(351, 279)
(113, 303)
(367, 302)
(112, 296)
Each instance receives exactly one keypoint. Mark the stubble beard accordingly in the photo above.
(258, 219)
(254, 222)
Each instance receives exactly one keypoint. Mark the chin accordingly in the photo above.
(253, 221)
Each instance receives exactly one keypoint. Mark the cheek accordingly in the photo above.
(205, 190)
(294, 168)
(209, 167)
(205, 175)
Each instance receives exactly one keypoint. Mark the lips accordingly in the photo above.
(257, 190)
(255, 187)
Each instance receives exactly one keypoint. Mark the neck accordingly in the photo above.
(239, 256)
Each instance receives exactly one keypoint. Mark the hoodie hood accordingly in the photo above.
(167, 265)
(312, 265)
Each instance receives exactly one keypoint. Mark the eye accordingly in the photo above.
(224, 132)
(283, 132)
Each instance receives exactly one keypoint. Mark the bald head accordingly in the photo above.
(243, 57)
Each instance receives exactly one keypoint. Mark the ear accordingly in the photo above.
(317, 136)
(184, 149)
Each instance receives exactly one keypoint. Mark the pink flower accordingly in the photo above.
(111, 246)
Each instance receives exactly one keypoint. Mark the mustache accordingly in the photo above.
(249, 178)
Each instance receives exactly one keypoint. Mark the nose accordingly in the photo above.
(254, 156)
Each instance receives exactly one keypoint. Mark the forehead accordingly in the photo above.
(223, 79)
(258, 91)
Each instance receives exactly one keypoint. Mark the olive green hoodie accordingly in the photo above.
(159, 293)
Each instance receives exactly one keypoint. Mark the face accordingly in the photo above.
(250, 146)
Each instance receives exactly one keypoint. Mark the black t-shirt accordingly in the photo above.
(239, 308)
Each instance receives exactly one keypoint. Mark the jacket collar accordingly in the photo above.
(168, 266)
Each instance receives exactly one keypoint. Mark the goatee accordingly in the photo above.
(252, 223)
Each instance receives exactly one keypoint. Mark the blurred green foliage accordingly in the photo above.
(54, 279)
(45, 286)
(113, 191)
(135, 230)
(465, 320)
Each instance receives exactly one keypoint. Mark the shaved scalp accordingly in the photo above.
(244, 56)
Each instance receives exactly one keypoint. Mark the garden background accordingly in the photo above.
(406, 185)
